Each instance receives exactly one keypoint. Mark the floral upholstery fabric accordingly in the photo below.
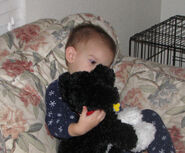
(158, 87)
(31, 57)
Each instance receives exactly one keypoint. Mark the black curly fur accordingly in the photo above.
(96, 91)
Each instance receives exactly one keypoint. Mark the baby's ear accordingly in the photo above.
(63, 83)
(70, 54)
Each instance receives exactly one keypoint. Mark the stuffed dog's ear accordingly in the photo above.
(63, 82)
(104, 74)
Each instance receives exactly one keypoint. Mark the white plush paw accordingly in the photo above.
(130, 115)
(145, 131)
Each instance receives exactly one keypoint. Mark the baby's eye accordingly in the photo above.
(92, 61)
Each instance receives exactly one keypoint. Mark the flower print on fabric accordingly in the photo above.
(177, 139)
(29, 95)
(164, 94)
(12, 122)
(133, 98)
(122, 74)
(27, 33)
(30, 37)
(14, 67)
(3, 53)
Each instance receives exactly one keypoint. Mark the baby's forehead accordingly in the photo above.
(91, 35)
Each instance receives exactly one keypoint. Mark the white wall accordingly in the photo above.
(126, 16)
(172, 7)
(12, 14)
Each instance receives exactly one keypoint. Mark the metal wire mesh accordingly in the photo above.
(163, 43)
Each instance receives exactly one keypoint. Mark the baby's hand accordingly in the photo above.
(86, 122)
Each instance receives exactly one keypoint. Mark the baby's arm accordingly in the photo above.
(62, 122)
(86, 122)
(58, 115)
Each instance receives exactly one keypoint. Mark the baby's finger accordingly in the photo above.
(101, 116)
(84, 111)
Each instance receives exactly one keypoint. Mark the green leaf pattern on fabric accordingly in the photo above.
(9, 39)
(183, 123)
(53, 69)
(22, 143)
(31, 139)
(35, 127)
(148, 88)
(176, 110)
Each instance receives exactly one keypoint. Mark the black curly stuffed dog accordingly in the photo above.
(96, 90)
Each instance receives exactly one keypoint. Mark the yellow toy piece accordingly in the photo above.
(116, 107)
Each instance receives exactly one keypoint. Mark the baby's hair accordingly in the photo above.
(84, 32)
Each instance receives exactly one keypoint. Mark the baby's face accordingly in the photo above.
(90, 54)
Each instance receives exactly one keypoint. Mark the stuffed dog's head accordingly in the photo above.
(93, 89)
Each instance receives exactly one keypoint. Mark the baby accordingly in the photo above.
(88, 45)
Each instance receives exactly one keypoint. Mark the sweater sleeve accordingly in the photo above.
(58, 114)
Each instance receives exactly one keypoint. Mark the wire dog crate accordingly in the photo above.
(163, 43)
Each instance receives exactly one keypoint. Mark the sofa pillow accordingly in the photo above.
(22, 88)
(149, 85)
